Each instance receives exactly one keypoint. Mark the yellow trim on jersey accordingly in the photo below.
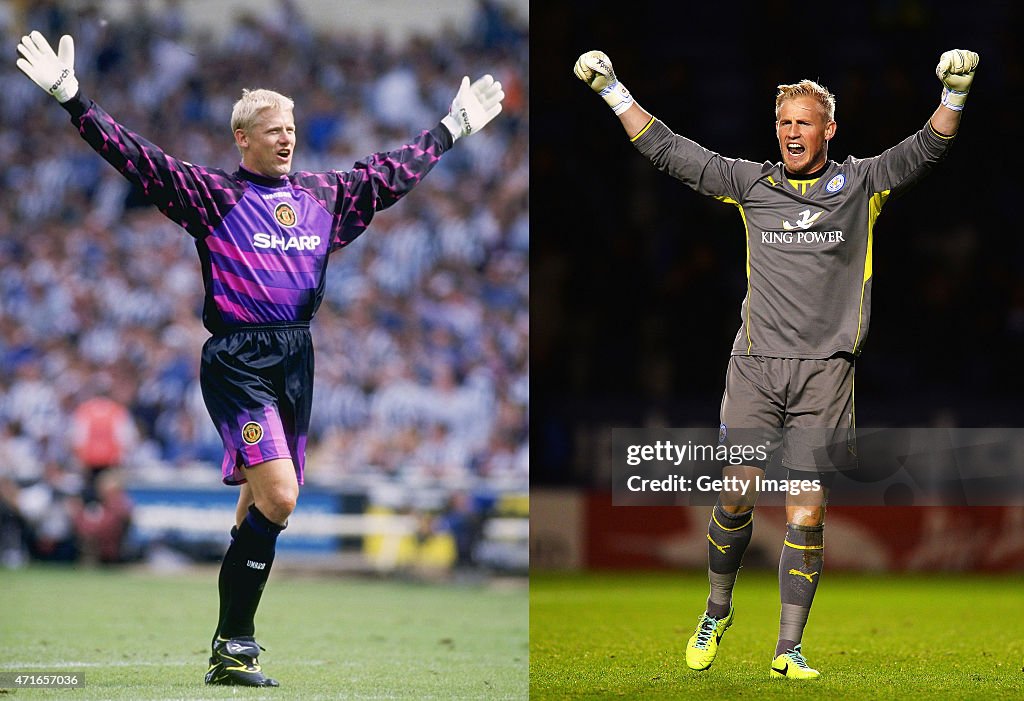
(643, 131)
(802, 185)
(938, 133)
(772, 181)
(804, 547)
(738, 528)
(875, 205)
(746, 234)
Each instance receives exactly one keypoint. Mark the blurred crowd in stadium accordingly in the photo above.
(422, 338)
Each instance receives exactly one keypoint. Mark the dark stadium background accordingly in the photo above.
(636, 280)
(100, 298)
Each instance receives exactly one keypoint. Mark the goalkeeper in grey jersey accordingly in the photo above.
(809, 226)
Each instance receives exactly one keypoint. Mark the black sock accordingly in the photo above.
(728, 537)
(244, 573)
(224, 582)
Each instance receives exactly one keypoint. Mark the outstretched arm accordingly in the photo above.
(595, 69)
(381, 179)
(956, 71)
(193, 197)
(705, 171)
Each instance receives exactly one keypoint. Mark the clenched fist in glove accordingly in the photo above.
(595, 69)
(956, 71)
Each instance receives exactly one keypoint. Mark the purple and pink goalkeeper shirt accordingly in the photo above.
(263, 242)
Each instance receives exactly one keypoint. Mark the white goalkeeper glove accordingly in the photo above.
(956, 71)
(595, 69)
(53, 72)
(474, 106)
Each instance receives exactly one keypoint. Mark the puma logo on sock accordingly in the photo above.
(723, 547)
(806, 576)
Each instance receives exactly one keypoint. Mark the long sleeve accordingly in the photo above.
(906, 163)
(705, 171)
(374, 183)
(191, 196)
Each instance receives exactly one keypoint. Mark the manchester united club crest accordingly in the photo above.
(285, 215)
(252, 433)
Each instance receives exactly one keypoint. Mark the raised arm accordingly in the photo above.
(193, 197)
(392, 174)
(705, 171)
(381, 179)
(956, 71)
(595, 69)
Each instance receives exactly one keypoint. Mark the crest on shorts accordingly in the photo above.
(722, 431)
(252, 433)
(285, 215)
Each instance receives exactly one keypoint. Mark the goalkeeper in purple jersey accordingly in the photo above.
(264, 235)
(809, 229)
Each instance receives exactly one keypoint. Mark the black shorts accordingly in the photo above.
(257, 383)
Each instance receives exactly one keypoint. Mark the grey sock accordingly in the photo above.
(720, 598)
(799, 569)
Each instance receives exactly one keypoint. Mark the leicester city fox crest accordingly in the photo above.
(836, 183)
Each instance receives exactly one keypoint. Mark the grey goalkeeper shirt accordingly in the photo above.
(808, 241)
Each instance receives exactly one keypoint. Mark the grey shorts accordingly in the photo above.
(803, 406)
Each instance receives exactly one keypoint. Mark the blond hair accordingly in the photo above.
(811, 89)
(246, 111)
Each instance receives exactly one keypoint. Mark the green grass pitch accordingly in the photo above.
(136, 635)
(622, 636)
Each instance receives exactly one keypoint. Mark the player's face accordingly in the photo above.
(803, 133)
(267, 147)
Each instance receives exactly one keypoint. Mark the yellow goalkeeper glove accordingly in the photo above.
(956, 71)
(595, 69)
